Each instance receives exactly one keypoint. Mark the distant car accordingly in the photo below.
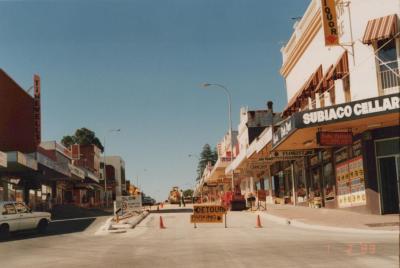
(188, 200)
(16, 216)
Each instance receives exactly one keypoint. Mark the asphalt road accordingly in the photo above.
(209, 245)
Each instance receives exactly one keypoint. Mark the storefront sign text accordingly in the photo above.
(334, 138)
(352, 110)
(329, 21)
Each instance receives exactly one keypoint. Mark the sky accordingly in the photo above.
(138, 65)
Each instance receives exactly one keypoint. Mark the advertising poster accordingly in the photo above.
(350, 183)
(356, 171)
(343, 184)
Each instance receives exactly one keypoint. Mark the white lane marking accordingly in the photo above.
(74, 219)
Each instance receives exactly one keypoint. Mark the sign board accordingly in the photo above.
(329, 22)
(334, 138)
(289, 155)
(206, 218)
(131, 203)
(3, 159)
(262, 195)
(211, 209)
(76, 171)
(388, 104)
(36, 109)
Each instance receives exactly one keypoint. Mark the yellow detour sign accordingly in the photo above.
(206, 218)
(209, 209)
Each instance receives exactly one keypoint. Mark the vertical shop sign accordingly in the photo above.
(36, 109)
(329, 21)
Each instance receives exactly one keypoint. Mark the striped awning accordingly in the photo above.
(305, 91)
(380, 28)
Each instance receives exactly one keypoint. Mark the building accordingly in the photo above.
(115, 176)
(40, 173)
(342, 117)
(253, 124)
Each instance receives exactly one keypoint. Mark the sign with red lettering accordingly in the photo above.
(334, 138)
(329, 21)
(36, 109)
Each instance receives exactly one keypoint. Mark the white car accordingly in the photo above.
(16, 216)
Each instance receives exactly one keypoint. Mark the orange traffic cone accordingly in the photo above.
(162, 205)
(258, 223)
(161, 223)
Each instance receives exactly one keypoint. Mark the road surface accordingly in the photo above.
(209, 245)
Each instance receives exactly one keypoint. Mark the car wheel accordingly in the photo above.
(42, 226)
(4, 231)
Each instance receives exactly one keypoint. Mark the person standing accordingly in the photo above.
(182, 199)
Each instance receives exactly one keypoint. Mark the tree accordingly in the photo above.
(82, 136)
(188, 193)
(206, 155)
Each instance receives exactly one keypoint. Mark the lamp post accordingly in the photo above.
(105, 164)
(228, 94)
(137, 178)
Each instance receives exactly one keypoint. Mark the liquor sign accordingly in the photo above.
(3, 159)
(36, 109)
(329, 21)
(334, 138)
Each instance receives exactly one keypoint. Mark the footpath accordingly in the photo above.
(332, 219)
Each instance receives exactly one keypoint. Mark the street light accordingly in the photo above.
(105, 164)
(228, 94)
(137, 179)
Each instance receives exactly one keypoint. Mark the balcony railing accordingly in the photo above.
(390, 82)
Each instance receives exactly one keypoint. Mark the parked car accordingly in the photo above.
(16, 216)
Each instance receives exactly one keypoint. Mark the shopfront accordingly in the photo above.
(357, 166)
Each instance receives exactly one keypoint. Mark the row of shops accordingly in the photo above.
(336, 144)
(42, 182)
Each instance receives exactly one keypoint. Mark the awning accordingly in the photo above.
(334, 72)
(299, 131)
(305, 91)
(380, 28)
(19, 162)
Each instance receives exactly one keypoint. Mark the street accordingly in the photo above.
(209, 245)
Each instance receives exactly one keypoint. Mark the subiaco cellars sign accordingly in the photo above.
(337, 113)
(351, 110)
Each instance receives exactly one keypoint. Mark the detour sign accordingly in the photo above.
(206, 218)
(209, 210)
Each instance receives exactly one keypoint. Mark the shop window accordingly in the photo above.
(1, 192)
(388, 66)
(329, 181)
(388, 147)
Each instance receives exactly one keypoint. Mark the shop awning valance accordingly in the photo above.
(305, 91)
(380, 28)
(337, 71)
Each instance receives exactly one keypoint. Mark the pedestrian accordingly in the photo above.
(182, 199)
